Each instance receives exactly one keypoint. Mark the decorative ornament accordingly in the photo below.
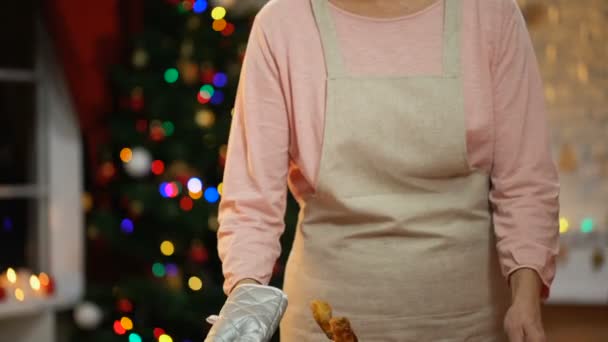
(139, 165)
(88, 315)
(140, 58)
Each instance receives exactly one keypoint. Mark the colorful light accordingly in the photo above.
(158, 167)
(118, 328)
(207, 90)
(158, 332)
(126, 323)
(219, 25)
(11, 275)
(186, 203)
(20, 295)
(171, 75)
(45, 280)
(203, 98)
(169, 128)
(195, 195)
(124, 305)
(195, 185)
(165, 338)
(228, 30)
(127, 226)
(217, 98)
(158, 270)
(220, 188)
(220, 79)
(218, 13)
(126, 154)
(133, 337)
(195, 283)
(564, 225)
(34, 282)
(171, 269)
(211, 195)
(587, 225)
(169, 190)
(200, 6)
(167, 248)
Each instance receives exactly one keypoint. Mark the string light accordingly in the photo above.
(158, 167)
(34, 282)
(219, 25)
(220, 79)
(165, 338)
(217, 98)
(195, 283)
(171, 75)
(127, 226)
(168, 127)
(126, 154)
(45, 280)
(211, 195)
(118, 328)
(199, 6)
(126, 323)
(186, 203)
(195, 195)
(195, 184)
(228, 30)
(11, 275)
(167, 248)
(158, 332)
(158, 270)
(133, 337)
(19, 295)
(218, 13)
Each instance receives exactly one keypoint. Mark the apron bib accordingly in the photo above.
(398, 235)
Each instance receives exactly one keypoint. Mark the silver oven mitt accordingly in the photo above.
(252, 313)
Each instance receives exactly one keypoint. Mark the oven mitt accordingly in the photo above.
(251, 313)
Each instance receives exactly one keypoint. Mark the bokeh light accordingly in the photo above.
(195, 283)
(199, 6)
(126, 323)
(218, 13)
(11, 275)
(118, 328)
(165, 338)
(126, 225)
(211, 195)
(34, 282)
(195, 185)
(219, 25)
(158, 167)
(133, 337)
(587, 225)
(126, 154)
(158, 269)
(186, 203)
(220, 79)
(564, 225)
(19, 295)
(167, 248)
(171, 75)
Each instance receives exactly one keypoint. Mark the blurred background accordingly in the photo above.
(116, 116)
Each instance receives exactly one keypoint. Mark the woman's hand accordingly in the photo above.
(523, 322)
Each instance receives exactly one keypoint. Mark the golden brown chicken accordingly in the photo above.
(337, 329)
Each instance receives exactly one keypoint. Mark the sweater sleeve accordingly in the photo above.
(525, 186)
(252, 208)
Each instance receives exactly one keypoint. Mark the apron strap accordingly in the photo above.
(451, 37)
(452, 22)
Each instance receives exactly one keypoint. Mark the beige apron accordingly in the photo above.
(398, 236)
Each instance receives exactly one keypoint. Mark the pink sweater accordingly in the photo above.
(277, 128)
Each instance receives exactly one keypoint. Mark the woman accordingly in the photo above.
(413, 135)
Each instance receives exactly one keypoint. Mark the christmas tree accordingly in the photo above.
(153, 270)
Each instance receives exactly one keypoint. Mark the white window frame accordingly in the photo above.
(58, 189)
